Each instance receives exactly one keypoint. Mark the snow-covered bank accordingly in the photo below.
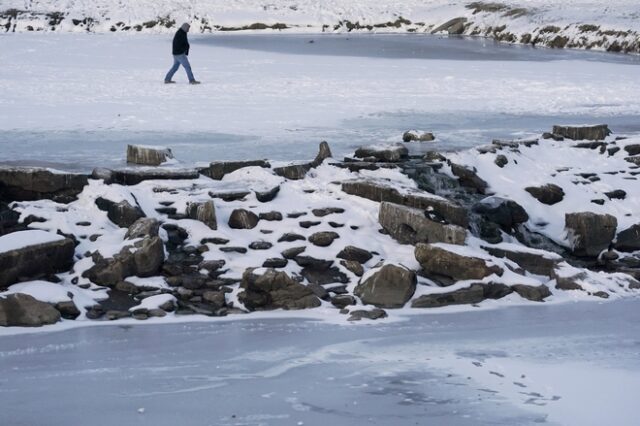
(588, 24)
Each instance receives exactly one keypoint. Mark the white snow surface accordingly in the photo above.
(21, 239)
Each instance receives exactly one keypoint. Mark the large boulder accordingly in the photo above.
(23, 310)
(9, 220)
(31, 254)
(383, 153)
(204, 212)
(274, 290)
(143, 227)
(629, 239)
(378, 190)
(148, 155)
(351, 253)
(31, 183)
(535, 261)
(411, 226)
(549, 194)
(217, 170)
(243, 219)
(590, 233)
(389, 287)
(591, 133)
(437, 262)
(475, 293)
(122, 213)
(506, 213)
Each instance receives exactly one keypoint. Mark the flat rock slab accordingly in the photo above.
(591, 133)
(148, 155)
(218, 169)
(135, 176)
(32, 183)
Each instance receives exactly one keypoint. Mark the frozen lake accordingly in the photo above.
(75, 101)
(571, 364)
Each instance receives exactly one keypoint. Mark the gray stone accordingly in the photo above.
(35, 261)
(217, 170)
(204, 212)
(274, 290)
(475, 293)
(353, 266)
(549, 194)
(373, 314)
(529, 260)
(590, 233)
(390, 287)
(411, 226)
(355, 253)
(327, 211)
(629, 239)
(272, 216)
(22, 310)
(439, 262)
(592, 133)
(388, 154)
(413, 136)
(148, 155)
(323, 239)
(122, 213)
(68, 310)
(533, 293)
(133, 176)
(341, 301)
(452, 26)
(469, 178)
(293, 252)
(380, 191)
(501, 161)
(260, 245)
(32, 183)
(143, 227)
(275, 262)
(291, 237)
(243, 219)
(506, 213)
(299, 171)
(269, 195)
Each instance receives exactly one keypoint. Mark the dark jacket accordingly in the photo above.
(180, 43)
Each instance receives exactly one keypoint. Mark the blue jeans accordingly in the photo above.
(177, 61)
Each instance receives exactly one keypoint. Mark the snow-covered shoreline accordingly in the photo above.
(612, 26)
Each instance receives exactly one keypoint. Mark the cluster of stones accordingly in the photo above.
(436, 225)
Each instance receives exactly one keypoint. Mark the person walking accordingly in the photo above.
(180, 56)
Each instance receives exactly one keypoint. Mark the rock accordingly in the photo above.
(271, 216)
(243, 219)
(380, 191)
(32, 183)
(327, 211)
(290, 237)
(299, 171)
(617, 194)
(36, 260)
(413, 136)
(475, 293)
(323, 239)
(591, 133)
(68, 310)
(469, 178)
(341, 301)
(168, 306)
(373, 314)
(122, 214)
(533, 293)
(440, 262)
(635, 160)
(241, 250)
(629, 239)
(156, 313)
(143, 227)
(501, 161)
(274, 290)
(127, 287)
(267, 196)
(590, 233)
(148, 155)
(22, 310)
(319, 291)
(217, 170)
(214, 298)
(452, 26)
(9, 220)
(549, 194)
(211, 265)
(570, 282)
(353, 266)
(215, 240)
(204, 212)
(260, 245)
(411, 226)
(531, 260)
(229, 196)
(632, 149)
(389, 287)
(275, 262)
(324, 152)
(506, 213)
(293, 252)
(387, 154)
(133, 176)
(306, 224)
(355, 253)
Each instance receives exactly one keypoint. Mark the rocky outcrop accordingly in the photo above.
(148, 155)
(629, 239)
(274, 290)
(591, 133)
(35, 260)
(411, 226)
(438, 262)
(590, 233)
(389, 287)
(204, 212)
(380, 191)
(22, 310)
(31, 183)
(384, 153)
(122, 213)
(549, 194)
(217, 170)
(475, 293)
